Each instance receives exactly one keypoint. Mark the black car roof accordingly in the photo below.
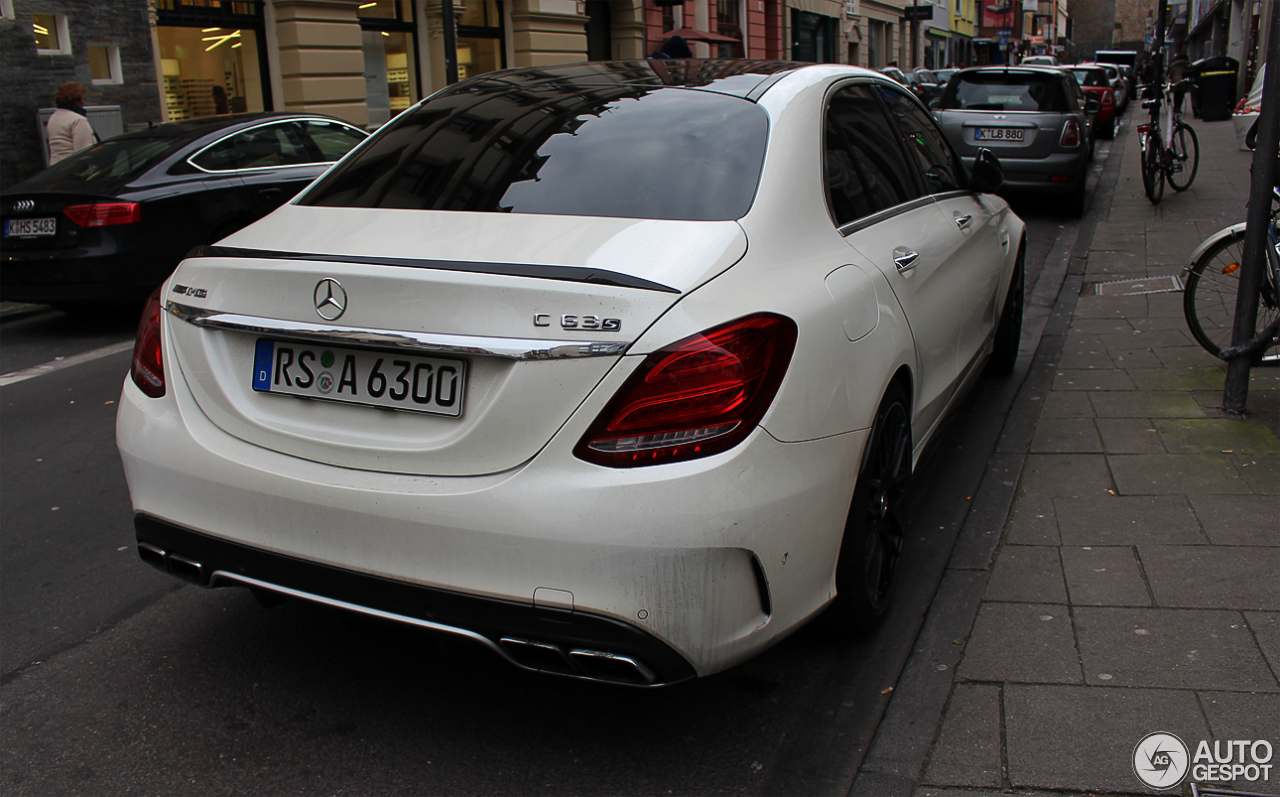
(735, 77)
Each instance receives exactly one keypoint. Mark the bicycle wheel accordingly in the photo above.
(1185, 160)
(1152, 169)
(1209, 298)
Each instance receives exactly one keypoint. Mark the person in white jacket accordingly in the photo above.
(68, 128)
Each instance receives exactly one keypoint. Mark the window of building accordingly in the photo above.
(729, 22)
(390, 58)
(480, 39)
(812, 37)
(104, 64)
(52, 35)
(960, 6)
(212, 58)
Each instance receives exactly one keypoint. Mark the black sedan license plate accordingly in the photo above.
(355, 376)
(28, 228)
(998, 134)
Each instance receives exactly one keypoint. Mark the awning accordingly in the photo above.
(940, 33)
(691, 35)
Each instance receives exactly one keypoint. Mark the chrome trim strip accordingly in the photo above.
(888, 213)
(246, 581)
(326, 164)
(333, 335)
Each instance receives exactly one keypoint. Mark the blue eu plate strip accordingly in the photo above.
(263, 358)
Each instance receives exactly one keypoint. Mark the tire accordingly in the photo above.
(1152, 170)
(1209, 298)
(1004, 356)
(1075, 201)
(1185, 158)
(876, 526)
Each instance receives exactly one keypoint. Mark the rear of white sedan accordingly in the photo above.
(553, 362)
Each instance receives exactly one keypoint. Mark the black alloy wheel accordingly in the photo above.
(876, 526)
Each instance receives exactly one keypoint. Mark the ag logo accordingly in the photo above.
(1160, 760)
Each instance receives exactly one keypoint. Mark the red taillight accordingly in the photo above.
(1144, 129)
(148, 360)
(1108, 97)
(104, 214)
(1071, 134)
(696, 397)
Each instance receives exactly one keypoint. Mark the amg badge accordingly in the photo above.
(580, 322)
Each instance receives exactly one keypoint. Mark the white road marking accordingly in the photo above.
(65, 362)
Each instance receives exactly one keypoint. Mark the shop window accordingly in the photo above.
(104, 64)
(480, 42)
(210, 71)
(390, 64)
(52, 34)
(729, 18)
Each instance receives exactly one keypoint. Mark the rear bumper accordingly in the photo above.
(687, 568)
(535, 637)
(1037, 175)
(79, 276)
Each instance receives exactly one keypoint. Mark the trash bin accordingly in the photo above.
(1215, 92)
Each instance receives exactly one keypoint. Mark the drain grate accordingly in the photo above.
(1169, 284)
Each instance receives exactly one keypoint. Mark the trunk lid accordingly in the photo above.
(490, 291)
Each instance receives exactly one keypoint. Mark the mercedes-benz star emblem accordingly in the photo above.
(331, 299)
(23, 205)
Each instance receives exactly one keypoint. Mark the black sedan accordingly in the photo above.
(107, 225)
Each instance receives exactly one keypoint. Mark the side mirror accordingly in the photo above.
(987, 175)
(1092, 106)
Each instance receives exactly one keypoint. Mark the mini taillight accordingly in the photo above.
(104, 214)
(1108, 97)
(699, 396)
(1070, 134)
(148, 359)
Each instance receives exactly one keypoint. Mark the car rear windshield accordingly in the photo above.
(103, 168)
(610, 150)
(1006, 91)
(1093, 78)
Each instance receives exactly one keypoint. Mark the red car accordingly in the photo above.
(1096, 85)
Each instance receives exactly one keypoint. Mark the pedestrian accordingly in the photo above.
(68, 128)
(674, 47)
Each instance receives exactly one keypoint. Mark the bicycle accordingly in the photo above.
(1175, 156)
(1212, 282)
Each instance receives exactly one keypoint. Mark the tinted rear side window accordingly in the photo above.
(1005, 91)
(103, 168)
(1091, 78)
(616, 150)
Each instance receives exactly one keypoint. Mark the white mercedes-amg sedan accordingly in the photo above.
(619, 369)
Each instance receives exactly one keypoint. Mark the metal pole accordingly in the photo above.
(1236, 390)
(450, 43)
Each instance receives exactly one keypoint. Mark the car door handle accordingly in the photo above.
(964, 221)
(905, 259)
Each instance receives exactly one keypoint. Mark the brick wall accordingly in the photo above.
(31, 80)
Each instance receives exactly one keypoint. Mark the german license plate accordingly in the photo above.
(434, 385)
(998, 134)
(28, 228)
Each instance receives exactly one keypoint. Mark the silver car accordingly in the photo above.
(1035, 119)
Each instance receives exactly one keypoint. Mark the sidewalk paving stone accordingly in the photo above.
(1242, 715)
(1080, 738)
(1266, 628)
(1170, 649)
(1180, 379)
(1093, 380)
(1021, 643)
(1032, 521)
(1129, 436)
(1104, 576)
(1067, 405)
(1127, 520)
(1197, 435)
(1261, 473)
(1238, 519)
(1061, 475)
(1027, 574)
(1214, 576)
(967, 752)
(1066, 436)
(1170, 474)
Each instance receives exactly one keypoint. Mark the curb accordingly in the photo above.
(16, 311)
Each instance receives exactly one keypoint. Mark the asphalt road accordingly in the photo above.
(116, 680)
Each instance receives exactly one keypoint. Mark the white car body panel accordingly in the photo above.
(495, 504)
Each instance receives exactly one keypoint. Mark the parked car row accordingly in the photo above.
(607, 367)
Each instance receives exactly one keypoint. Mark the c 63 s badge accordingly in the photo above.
(568, 321)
